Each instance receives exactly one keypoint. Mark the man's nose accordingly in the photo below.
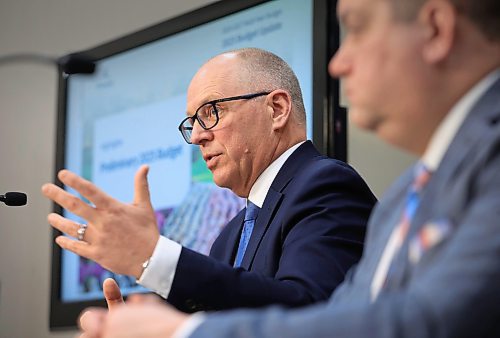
(339, 65)
(200, 135)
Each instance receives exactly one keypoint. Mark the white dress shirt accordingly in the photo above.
(438, 145)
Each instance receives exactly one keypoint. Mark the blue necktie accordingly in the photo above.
(248, 223)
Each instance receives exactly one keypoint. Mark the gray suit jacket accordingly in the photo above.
(450, 289)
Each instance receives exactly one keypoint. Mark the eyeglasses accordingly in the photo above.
(208, 114)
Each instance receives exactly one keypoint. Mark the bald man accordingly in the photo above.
(304, 224)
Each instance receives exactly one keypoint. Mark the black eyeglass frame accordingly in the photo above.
(188, 129)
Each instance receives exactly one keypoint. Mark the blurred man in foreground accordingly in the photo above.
(423, 75)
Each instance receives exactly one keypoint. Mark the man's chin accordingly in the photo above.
(219, 180)
(364, 119)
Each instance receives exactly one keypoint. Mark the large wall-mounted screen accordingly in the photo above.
(127, 113)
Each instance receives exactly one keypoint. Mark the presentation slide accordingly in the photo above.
(127, 114)
(120, 147)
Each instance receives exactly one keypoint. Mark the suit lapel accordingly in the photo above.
(232, 238)
(385, 218)
(297, 159)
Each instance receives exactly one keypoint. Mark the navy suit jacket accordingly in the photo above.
(309, 232)
(449, 287)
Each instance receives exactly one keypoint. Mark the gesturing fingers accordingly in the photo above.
(68, 201)
(112, 294)
(81, 248)
(86, 188)
(69, 227)
(119, 236)
(141, 187)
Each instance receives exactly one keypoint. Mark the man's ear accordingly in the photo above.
(439, 19)
(280, 107)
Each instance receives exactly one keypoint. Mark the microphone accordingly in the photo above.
(14, 199)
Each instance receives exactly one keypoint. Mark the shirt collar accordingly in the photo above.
(259, 190)
(448, 128)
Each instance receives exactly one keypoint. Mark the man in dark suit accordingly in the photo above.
(245, 112)
(423, 75)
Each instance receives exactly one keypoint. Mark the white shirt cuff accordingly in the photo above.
(160, 272)
(191, 324)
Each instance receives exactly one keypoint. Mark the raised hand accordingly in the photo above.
(118, 236)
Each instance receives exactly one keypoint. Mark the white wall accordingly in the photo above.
(27, 141)
(379, 163)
